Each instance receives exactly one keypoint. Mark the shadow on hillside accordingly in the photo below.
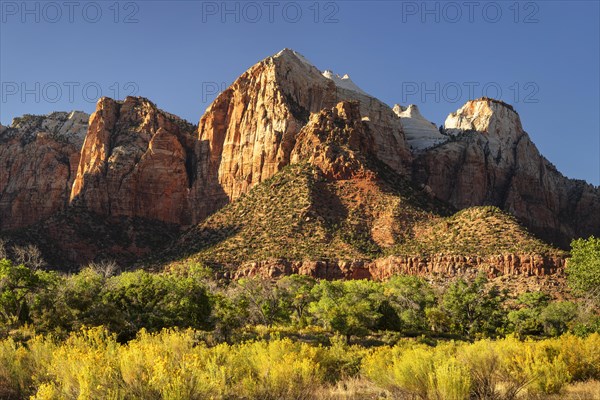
(76, 237)
(194, 241)
(393, 183)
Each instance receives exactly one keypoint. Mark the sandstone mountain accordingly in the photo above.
(490, 160)
(337, 175)
(249, 131)
(338, 212)
(38, 162)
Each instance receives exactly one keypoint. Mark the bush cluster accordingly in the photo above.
(189, 298)
(176, 364)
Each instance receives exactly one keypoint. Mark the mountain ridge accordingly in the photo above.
(140, 162)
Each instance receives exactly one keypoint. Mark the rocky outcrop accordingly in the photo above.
(490, 160)
(140, 162)
(248, 133)
(453, 265)
(337, 141)
(441, 266)
(137, 161)
(38, 162)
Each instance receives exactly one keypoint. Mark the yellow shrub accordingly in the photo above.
(85, 367)
(449, 380)
(280, 369)
(401, 371)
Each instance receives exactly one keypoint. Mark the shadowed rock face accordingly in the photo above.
(133, 162)
(337, 141)
(490, 160)
(38, 162)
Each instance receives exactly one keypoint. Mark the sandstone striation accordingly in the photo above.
(443, 266)
(38, 162)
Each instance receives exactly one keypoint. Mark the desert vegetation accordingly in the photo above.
(183, 334)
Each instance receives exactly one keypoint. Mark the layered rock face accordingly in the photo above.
(137, 161)
(443, 266)
(140, 162)
(490, 160)
(249, 131)
(38, 162)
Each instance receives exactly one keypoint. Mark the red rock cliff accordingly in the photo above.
(490, 160)
(136, 161)
(38, 162)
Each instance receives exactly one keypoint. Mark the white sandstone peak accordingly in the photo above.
(420, 133)
(343, 82)
(289, 53)
(484, 115)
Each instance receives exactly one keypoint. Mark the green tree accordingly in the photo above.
(154, 301)
(17, 284)
(557, 316)
(298, 292)
(474, 309)
(408, 297)
(267, 302)
(583, 268)
(347, 307)
(526, 320)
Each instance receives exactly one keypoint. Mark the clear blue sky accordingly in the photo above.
(543, 56)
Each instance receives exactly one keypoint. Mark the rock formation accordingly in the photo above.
(443, 266)
(249, 131)
(137, 161)
(38, 162)
(337, 141)
(420, 133)
(491, 160)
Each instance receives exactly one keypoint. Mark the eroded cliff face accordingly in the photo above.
(337, 141)
(248, 133)
(516, 272)
(38, 162)
(137, 161)
(443, 266)
(490, 160)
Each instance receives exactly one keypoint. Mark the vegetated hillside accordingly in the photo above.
(481, 231)
(301, 215)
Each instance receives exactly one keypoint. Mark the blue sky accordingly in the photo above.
(542, 57)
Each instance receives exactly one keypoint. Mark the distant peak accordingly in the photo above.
(343, 82)
(490, 100)
(420, 133)
(292, 54)
(484, 115)
(412, 111)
